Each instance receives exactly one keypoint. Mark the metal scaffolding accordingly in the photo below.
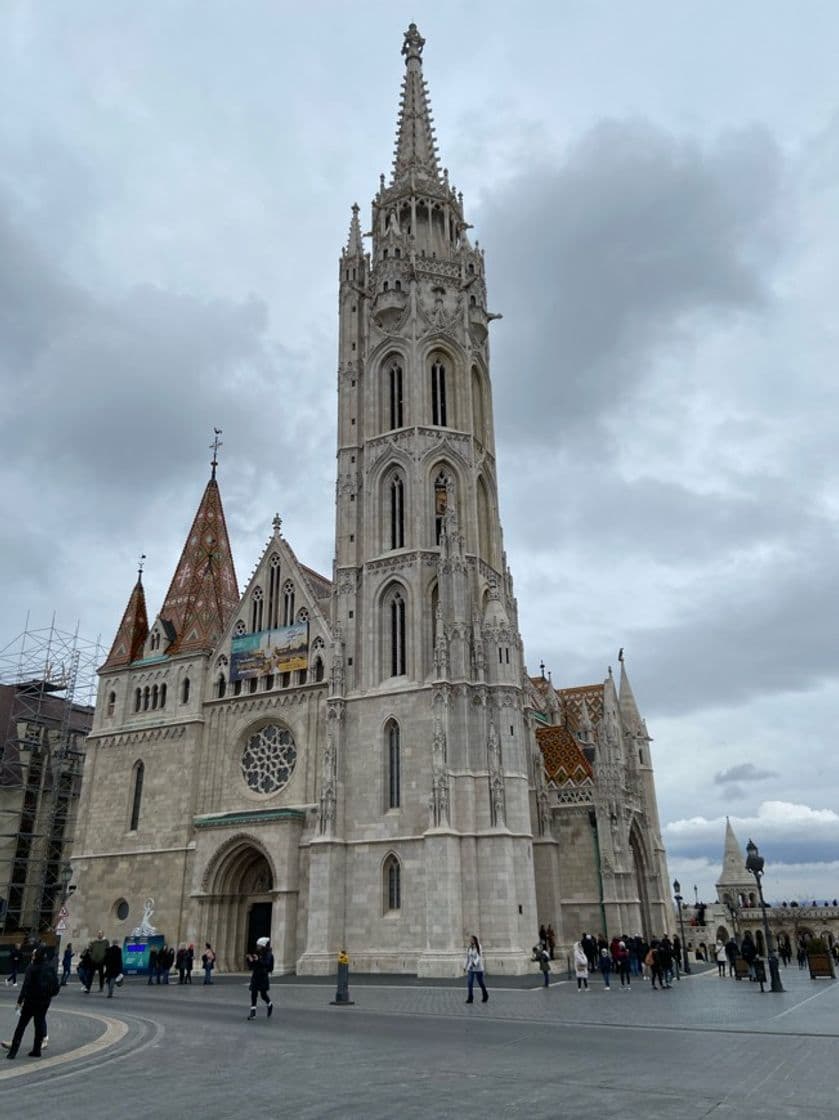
(47, 693)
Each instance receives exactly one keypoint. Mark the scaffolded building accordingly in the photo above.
(47, 689)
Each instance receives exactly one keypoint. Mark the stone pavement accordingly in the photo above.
(706, 1048)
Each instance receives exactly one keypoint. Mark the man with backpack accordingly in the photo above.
(40, 985)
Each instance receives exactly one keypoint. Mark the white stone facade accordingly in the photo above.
(417, 810)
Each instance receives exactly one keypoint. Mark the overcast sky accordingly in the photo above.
(655, 185)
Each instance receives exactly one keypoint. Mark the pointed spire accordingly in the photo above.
(355, 246)
(734, 873)
(133, 630)
(416, 148)
(626, 699)
(203, 593)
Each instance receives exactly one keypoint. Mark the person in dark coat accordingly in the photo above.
(85, 970)
(66, 965)
(14, 965)
(180, 964)
(113, 966)
(190, 962)
(40, 984)
(152, 965)
(260, 963)
(748, 951)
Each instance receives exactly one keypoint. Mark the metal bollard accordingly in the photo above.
(342, 995)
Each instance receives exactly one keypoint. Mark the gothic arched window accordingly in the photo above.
(395, 413)
(136, 795)
(392, 884)
(318, 668)
(138, 699)
(221, 686)
(163, 696)
(256, 610)
(185, 686)
(288, 603)
(154, 696)
(438, 393)
(112, 703)
(394, 763)
(396, 499)
(146, 698)
(273, 592)
(397, 645)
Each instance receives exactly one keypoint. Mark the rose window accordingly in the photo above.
(268, 759)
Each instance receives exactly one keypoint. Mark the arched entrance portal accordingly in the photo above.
(639, 863)
(239, 897)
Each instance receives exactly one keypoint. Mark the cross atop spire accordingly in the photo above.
(416, 147)
(214, 446)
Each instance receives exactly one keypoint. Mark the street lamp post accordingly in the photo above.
(677, 887)
(754, 863)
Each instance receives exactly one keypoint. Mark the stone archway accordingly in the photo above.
(639, 863)
(239, 896)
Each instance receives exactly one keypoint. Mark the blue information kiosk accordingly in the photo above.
(135, 953)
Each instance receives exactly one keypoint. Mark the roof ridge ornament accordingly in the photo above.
(214, 446)
(413, 44)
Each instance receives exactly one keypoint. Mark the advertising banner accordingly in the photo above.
(270, 651)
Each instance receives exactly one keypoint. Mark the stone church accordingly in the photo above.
(362, 761)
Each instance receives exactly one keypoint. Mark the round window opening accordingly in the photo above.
(121, 909)
(268, 759)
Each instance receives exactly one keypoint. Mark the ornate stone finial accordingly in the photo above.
(277, 524)
(214, 446)
(140, 565)
(413, 44)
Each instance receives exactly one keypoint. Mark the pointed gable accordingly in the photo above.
(132, 632)
(203, 593)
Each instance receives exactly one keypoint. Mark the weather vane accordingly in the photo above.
(140, 565)
(214, 446)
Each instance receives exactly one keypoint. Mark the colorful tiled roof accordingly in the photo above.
(204, 592)
(132, 632)
(572, 702)
(563, 756)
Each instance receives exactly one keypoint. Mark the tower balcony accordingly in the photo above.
(389, 307)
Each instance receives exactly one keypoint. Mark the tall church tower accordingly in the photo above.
(424, 784)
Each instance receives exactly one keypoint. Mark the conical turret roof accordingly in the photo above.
(416, 148)
(204, 592)
(132, 632)
(734, 873)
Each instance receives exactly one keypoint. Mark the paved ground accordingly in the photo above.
(707, 1048)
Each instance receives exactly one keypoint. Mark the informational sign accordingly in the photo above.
(269, 651)
(135, 954)
(63, 914)
(61, 925)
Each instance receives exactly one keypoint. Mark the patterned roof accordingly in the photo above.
(132, 632)
(203, 593)
(563, 756)
(572, 702)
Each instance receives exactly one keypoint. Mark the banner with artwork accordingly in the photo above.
(270, 651)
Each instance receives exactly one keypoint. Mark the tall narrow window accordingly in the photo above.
(112, 703)
(397, 512)
(397, 635)
(137, 795)
(221, 686)
(163, 696)
(394, 375)
(438, 394)
(288, 603)
(138, 699)
(146, 697)
(441, 495)
(273, 592)
(392, 884)
(185, 686)
(154, 696)
(393, 765)
(256, 610)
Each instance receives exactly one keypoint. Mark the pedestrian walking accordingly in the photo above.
(14, 966)
(621, 959)
(261, 964)
(98, 949)
(581, 966)
(190, 962)
(208, 961)
(113, 967)
(722, 958)
(66, 965)
(40, 984)
(180, 964)
(606, 969)
(474, 967)
(731, 952)
(543, 957)
(85, 971)
(748, 951)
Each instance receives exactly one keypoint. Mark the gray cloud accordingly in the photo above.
(743, 772)
(628, 246)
